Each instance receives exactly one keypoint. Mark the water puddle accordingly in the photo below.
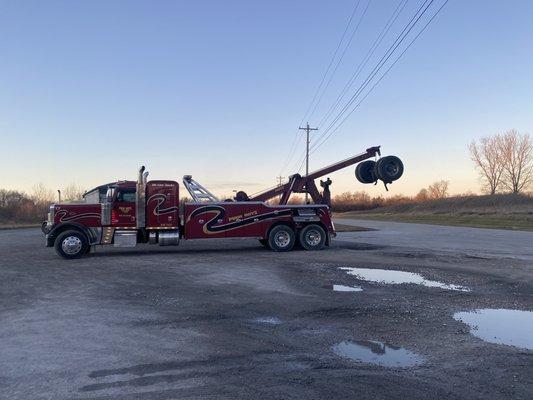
(378, 353)
(344, 288)
(501, 326)
(268, 320)
(393, 277)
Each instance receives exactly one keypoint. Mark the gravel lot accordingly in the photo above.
(228, 319)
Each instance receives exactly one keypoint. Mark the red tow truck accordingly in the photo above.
(126, 213)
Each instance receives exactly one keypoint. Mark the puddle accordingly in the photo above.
(392, 277)
(501, 326)
(373, 352)
(268, 320)
(343, 288)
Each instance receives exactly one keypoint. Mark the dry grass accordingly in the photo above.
(498, 212)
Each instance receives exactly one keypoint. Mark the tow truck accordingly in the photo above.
(127, 213)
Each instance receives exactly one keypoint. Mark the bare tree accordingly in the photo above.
(73, 192)
(487, 159)
(422, 195)
(41, 194)
(438, 190)
(516, 153)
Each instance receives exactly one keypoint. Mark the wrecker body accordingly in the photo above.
(126, 213)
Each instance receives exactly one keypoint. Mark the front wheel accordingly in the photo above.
(312, 237)
(281, 238)
(71, 244)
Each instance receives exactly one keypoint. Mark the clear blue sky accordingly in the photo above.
(91, 90)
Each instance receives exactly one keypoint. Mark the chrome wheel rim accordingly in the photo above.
(282, 239)
(71, 245)
(313, 237)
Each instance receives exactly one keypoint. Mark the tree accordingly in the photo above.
(438, 190)
(73, 192)
(422, 195)
(41, 194)
(487, 159)
(516, 154)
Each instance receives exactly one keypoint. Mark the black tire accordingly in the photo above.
(44, 227)
(281, 238)
(312, 237)
(389, 169)
(264, 242)
(71, 244)
(365, 172)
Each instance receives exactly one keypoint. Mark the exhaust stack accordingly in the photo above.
(140, 198)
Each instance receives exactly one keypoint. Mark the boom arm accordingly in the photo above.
(299, 184)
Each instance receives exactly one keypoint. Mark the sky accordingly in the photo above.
(91, 90)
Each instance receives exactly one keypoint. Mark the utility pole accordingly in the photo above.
(280, 179)
(307, 129)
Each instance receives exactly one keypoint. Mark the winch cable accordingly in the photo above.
(324, 139)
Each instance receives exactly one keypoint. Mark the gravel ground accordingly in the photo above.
(228, 319)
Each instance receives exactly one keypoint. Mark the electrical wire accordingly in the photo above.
(382, 76)
(377, 68)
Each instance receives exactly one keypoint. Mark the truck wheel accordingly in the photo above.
(312, 237)
(281, 238)
(71, 244)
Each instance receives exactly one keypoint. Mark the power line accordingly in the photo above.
(340, 59)
(398, 10)
(397, 42)
(296, 136)
(331, 61)
(383, 75)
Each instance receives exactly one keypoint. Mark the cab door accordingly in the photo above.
(123, 210)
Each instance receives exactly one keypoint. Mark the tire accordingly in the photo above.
(389, 169)
(281, 238)
(365, 172)
(312, 237)
(44, 227)
(71, 244)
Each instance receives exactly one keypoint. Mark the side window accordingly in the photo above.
(126, 196)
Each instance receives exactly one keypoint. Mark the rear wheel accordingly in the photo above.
(281, 238)
(71, 244)
(312, 237)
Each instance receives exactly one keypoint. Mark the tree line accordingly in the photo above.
(18, 207)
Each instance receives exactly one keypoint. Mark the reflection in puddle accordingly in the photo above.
(392, 277)
(343, 288)
(268, 320)
(373, 352)
(510, 327)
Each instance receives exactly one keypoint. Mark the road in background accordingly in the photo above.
(469, 241)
